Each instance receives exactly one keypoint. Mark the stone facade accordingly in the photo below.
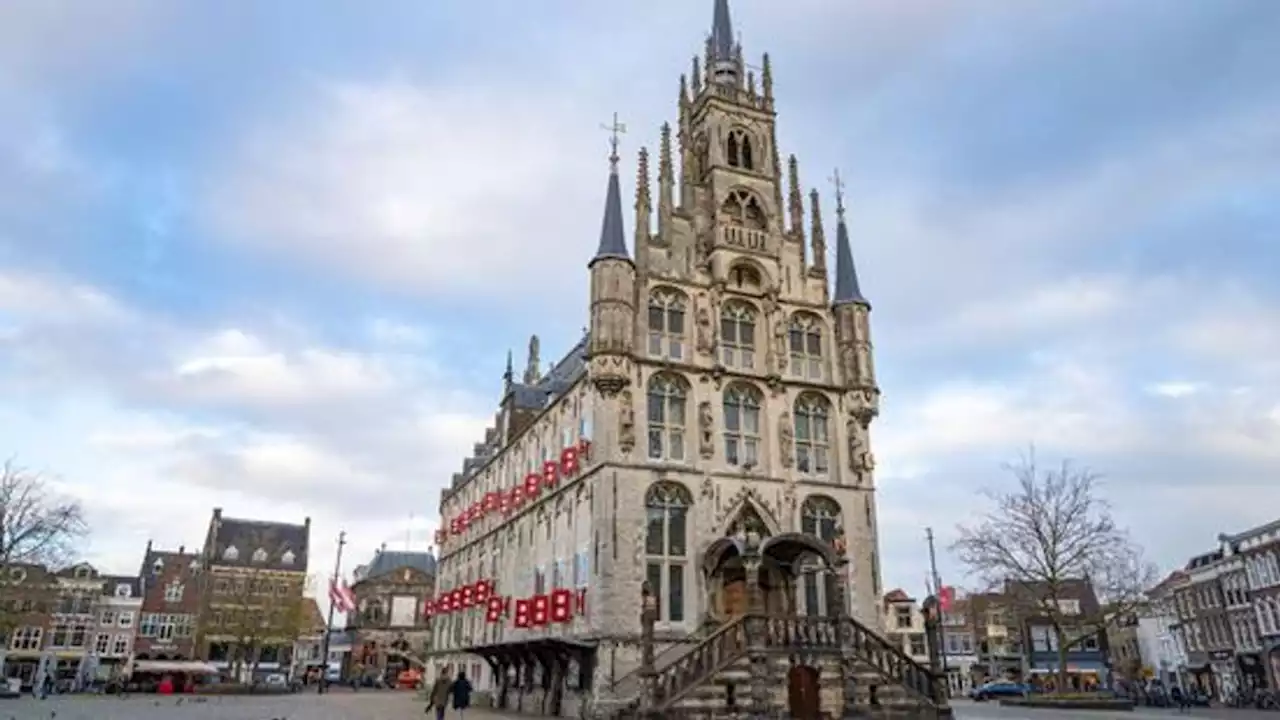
(390, 629)
(723, 386)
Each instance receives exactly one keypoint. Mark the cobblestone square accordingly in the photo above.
(336, 706)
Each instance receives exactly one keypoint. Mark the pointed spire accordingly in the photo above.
(510, 375)
(766, 78)
(644, 205)
(847, 290)
(722, 32)
(819, 236)
(795, 199)
(724, 56)
(613, 241)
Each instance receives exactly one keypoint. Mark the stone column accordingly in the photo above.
(757, 628)
(648, 671)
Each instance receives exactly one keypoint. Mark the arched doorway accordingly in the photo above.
(802, 693)
(728, 595)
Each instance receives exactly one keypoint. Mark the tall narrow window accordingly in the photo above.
(666, 324)
(806, 347)
(820, 516)
(738, 150)
(812, 435)
(667, 403)
(742, 426)
(738, 336)
(667, 509)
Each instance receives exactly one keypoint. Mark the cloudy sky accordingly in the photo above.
(245, 247)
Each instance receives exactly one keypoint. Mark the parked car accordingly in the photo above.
(998, 689)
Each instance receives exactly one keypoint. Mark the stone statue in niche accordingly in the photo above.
(626, 422)
(706, 429)
(789, 506)
(861, 461)
(706, 334)
(848, 364)
(708, 487)
(779, 322)
(786, 440)
(637, 545)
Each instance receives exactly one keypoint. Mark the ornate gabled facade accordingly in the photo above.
(718, 406)
(390, 627)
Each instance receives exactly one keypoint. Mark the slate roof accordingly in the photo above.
(897, 595)
(848, 291)
(109, 583)
(535, 396)
(613, 241)
(386, 561)
(279, 541)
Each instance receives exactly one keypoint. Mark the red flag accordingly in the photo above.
(517, 496)
(468, 596)
(493, 611)
(946, 598)
(341, 596)
(490, 501)
(428, 608)
(531, 485)
(482, 590)
(561, 605)
(504, 503)
(522, 613)
(538, 613)
(550, 473)
(569, 461)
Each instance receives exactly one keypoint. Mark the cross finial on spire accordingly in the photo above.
(615, 129)
(838, 182)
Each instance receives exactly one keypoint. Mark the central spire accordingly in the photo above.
(722, 60)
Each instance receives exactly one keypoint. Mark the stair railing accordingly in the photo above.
(698, 664)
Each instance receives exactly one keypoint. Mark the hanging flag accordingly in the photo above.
(522, 613)
(946, 598)
(341, 596)
(496, 607)
(561, 605)
(539, 609)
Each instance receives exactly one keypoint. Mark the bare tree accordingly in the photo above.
(38, 527)
(1048, 541)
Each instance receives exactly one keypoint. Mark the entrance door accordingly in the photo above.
(734, 602)
(802, 693)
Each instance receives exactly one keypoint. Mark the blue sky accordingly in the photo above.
(244, 247)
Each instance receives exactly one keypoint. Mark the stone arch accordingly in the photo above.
(787, 548)
(748, 276)
(744, 208)
(741, 149)
(747, 496)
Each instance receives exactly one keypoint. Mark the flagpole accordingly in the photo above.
(333, 583)
(937, 589)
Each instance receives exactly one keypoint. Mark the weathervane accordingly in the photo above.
(839, 184)
(615, 129)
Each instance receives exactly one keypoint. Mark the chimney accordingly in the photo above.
(182, 549)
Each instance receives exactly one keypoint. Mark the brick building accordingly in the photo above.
(171, 583)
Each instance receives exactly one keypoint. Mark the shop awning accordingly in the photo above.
(174, 666)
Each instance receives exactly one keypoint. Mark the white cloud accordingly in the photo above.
(1175, 389)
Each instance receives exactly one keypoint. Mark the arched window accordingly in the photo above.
(665, 547)
(806, 347)
(373, 610)
(742, 426)
(738, 150)
(745, 277)
(231, 553)
(667, 401)
(666, 324)
(737, 336)
(742, 208)
(820, 516)
(813, 442)
(259, 556)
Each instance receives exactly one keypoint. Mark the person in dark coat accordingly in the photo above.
(438, 698)
(461, 691)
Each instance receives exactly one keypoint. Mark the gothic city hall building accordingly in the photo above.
(701, 454)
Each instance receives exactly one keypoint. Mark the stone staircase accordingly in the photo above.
(718, 678)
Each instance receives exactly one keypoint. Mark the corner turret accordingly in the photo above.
(853, 324)
(613, 280)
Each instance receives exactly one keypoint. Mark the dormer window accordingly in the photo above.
(17, 575)
(259, 555)
(231, 554)
(194, 566)
(157, 567)
(123, 590)
(288, 557)
(82, 572)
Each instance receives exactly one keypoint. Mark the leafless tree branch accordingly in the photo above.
(1051, 532)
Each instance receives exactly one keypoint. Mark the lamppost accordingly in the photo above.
(941, 684)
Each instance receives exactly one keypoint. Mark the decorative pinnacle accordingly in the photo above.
(615, 129)
(839, 186)
(664, 153)
(642, 180)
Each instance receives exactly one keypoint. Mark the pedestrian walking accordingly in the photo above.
(438, 698)
(461, 691)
